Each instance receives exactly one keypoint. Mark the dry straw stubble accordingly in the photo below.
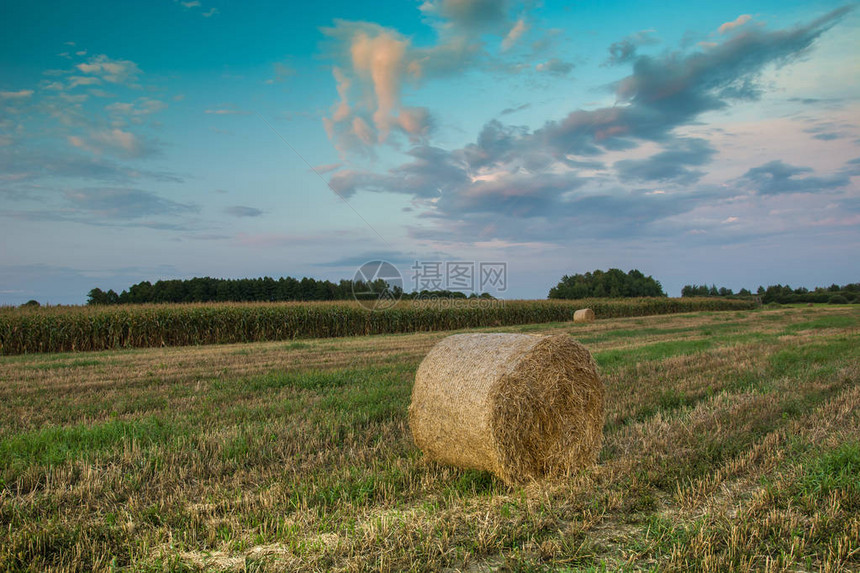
(523, 407)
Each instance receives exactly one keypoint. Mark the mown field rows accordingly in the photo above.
(63, 329)
(732, 442)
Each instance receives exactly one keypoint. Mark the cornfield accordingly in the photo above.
(64, 329)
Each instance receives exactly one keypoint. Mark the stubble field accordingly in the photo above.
(732, 442)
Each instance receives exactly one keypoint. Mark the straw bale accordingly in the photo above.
(583, 315)
(521, 406)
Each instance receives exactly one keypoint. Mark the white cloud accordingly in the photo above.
(110, 70)
(20, 94)
(134, 112)
(79, 142)
(124, 140)
(76, 81)
(115, 141)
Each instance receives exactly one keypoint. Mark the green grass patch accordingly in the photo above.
(827, 471)
(837, 321)
(834, 351)
(79, 363)
(631, 333)
(656, 351)
(55, 445)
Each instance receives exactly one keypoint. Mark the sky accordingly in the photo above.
(699, 142)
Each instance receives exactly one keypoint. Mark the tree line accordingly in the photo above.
(613, 283)
(705, 290)
(265, 289)
(782, 294)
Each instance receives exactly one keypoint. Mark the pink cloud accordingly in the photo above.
(381, 60)
(515, 34)
(414, 120)
(736, 23)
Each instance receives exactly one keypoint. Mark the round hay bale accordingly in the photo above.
(583, 315)
(523, 407)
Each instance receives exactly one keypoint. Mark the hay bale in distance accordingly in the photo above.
(583, 315)
(521, 406)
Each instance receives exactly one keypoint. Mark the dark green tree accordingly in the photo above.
(613, 283)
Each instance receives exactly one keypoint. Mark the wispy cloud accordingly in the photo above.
(111, 207)
(510, 110)
(76, 81)
(242, 211)
(515, 34)
(226, 111)
(31, 165)
(20, 94)
(134, 112)
(777, 177)
(115, 141)
(625, 50)
(555, 66)
(282, 71)
(736, 23)
(672, 164)
(197, 6)
(328, 167)
(124, 203)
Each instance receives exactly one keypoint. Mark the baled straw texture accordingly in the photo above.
(583, 315)
(523, 407)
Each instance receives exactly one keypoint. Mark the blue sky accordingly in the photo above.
(708, 142)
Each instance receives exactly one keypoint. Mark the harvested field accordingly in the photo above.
(732, 441)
